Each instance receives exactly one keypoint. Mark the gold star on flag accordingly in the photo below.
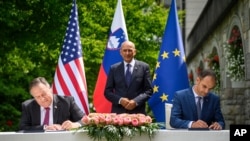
(154, 77)
(155, 89)
(157, 65)
(164, 97)
(164, 55)
(176, 52)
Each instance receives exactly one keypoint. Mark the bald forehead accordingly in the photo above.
(128, 44)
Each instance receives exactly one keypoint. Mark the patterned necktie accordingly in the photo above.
(198, 104)
(128, 74)
(46, 118)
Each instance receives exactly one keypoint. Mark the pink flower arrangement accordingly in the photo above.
(111, 126)
(101, 119)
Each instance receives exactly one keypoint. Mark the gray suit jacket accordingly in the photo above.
(140, 88)
(184, 109)
(64, 108)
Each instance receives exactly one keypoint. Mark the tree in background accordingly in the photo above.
(32, 33)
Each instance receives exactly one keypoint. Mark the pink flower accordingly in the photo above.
(85, 119)
(101, 118)
(142, 120)
(127, 120)
(120, 121)
(96, 120)
(148, 119)
(115, 120)
(108, 120)
(135, 122)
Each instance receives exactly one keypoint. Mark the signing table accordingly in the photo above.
(161, 135)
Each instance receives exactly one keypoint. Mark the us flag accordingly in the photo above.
(69, 76)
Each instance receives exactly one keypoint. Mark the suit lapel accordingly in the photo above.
(192, 102)
(205, 105)
(121, 70)
(37, 113)
(56, 109)
(135, 71)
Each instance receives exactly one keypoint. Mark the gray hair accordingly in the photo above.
(39, 80)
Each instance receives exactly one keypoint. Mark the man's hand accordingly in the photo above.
(215, 126)
(128, 104)
(199, 124)
(131, 105)
(53, 127)
(124, 102)
(67, 125)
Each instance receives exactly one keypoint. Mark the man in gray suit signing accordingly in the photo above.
(128, 85)
(47, 111)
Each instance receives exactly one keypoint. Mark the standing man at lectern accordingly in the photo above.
(197, 107)
(47, 111)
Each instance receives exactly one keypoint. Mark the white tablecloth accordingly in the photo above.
(161, 135)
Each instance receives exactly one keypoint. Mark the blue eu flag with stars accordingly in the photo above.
(170, 73)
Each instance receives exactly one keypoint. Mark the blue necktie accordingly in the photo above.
(198, 104)
(128, 74)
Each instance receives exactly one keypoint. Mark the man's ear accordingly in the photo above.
(134, 52)
(198, 79)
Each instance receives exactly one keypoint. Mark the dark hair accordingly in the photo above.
(37, 81)
(207, 72)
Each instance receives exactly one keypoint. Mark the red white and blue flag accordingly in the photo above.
(118, 34)
(70, 77)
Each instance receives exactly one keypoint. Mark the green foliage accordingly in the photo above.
(32, 33)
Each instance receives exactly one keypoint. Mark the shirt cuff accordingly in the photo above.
(190, 124)
(119, 102)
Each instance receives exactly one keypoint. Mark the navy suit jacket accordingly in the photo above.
(184, 109)
(140, 88)
(64, 108)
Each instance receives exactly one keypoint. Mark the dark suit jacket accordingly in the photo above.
(184, 109)
(140, 88)
(64, 108)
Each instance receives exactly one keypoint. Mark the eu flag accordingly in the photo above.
(171, 72)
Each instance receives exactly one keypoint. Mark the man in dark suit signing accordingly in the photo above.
(128, 85)
(197, 107)
(63, 113)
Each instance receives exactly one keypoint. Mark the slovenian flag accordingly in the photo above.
(118, 34)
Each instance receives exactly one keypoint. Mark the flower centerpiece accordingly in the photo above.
(234, 56)
(113, 127)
